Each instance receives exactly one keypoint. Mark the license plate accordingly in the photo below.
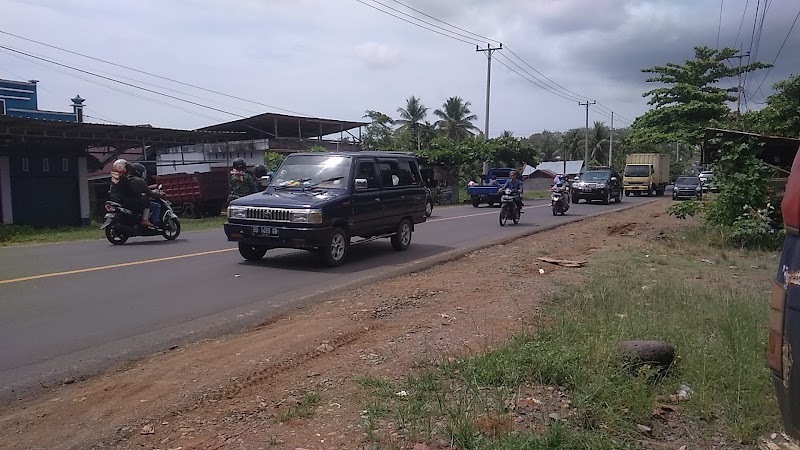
(264, 231)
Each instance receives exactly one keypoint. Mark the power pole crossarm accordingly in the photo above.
(586, 137)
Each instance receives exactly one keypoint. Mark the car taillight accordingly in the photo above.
(775, 351)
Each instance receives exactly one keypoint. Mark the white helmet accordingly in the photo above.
(120, 166)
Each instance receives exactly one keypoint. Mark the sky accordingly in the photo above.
(338, 58)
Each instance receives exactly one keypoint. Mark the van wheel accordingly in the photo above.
(336, 248)
(252, 252)
(402, 239)
(607, 199)
(475, 202)
(627, 193)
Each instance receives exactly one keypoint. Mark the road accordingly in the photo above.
(73, 309)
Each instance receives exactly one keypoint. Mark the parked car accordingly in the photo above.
(687, 187)
(707, 181)
(319, 201)
(599, 183)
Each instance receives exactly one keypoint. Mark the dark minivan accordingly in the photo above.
(319, 201)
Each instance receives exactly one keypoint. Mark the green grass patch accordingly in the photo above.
(23, 234)
(712, 304)
(304, 409)
(535, 195)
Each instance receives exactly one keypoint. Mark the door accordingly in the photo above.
(367, 203)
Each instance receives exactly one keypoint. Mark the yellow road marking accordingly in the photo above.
(112, 266)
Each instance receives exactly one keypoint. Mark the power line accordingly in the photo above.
(758, 89)
(150, 74)
(122, 82)
(414, 23)
(744, 13)
(115, 88)
(423, 21)
(447, 23)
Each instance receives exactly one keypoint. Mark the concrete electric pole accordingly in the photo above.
(739, 89)
(611, 140)
(488, 50)
(586, 137)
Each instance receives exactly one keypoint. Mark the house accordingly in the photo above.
(541, 177)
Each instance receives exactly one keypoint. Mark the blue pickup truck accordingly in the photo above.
(488, 192)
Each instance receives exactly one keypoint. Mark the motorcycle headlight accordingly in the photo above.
(508, 191)
(237, 212)
(306, 216)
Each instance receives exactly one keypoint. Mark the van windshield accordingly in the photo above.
(637, 170)
(598, 175)
(687, 181)
(323, 170)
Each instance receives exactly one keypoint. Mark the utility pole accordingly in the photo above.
(488, 50)
(739, 89)
(611, 140)
(586, 137)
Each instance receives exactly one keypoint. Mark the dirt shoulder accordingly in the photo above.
(292, 383)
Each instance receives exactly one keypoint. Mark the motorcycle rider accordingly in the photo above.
(516, 185)
(242, 183)
(260, 171)
(560, 187)
(138, 180)
(123, 190)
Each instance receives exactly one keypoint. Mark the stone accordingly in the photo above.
(658, 353)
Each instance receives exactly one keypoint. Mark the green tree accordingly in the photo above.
(379, 131)
(783, 107)
(411, 119)
(691, 98)
(455, 119)
(548, 144)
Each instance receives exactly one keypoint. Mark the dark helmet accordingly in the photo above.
(239, 164)
(259, 170)
(138, 170)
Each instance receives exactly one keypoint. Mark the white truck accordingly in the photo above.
(646, 173)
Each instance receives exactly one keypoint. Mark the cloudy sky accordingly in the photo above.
(338, 58)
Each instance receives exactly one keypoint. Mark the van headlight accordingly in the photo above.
(601, 185)
(237, 212)
(306, 216)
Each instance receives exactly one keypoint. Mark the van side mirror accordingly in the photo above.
(361, 184)
(265, 180)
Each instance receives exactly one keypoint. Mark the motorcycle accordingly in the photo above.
(558, 202)
(121, 224)
(508, 208)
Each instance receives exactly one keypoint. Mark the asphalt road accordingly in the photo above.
(72, 309)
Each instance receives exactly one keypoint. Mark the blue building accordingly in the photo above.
(20, 99)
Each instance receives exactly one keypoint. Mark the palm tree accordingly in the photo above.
(455, 121)
(598, 141)
(411, 117)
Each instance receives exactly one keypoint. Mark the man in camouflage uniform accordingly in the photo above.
(242, 183)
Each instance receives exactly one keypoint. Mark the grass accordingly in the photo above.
(23, 234)
(304, 409)
(535, 195)
(715, 312)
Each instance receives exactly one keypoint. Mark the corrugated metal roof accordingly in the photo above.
(558, 166)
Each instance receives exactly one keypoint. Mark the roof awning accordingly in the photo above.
(270, 125)
(777, 151)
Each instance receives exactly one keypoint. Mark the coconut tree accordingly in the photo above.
(455, 119)
(411, 117)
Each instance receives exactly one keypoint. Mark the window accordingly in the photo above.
(45, 164)
(366, 170)
(397, 173)
(2, 107)
(65, 165)
(26, 165)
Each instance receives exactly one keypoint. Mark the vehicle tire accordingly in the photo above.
(189, 211)
(428, 208)
(475, 202)
(402, 239)
(252, 252)
(618, 198)
(490, 203)
(607, 198)
(554, 211)
(627, 193)
(517, 215)
(660, 192)
(114, 237)
(336, 248)
(503, 215)
(575, 199)
(172, 229)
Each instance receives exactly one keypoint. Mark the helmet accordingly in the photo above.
(259, 170)
(513, 172)
(137, 169)
(239, 164)
(121, 166)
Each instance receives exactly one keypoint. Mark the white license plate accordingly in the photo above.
(264, 231)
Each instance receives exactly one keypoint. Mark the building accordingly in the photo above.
(20, 99)
(541, 177)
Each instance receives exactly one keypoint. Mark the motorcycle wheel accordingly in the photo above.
(172, 229)
(115, 237)
(555, 213)
(516, 213)
(503, 215)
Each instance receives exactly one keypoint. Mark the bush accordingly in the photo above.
(753, 229)
(683, 209)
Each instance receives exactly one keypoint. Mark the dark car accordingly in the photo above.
(687, 187)
(599, 183)
(319, 201)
